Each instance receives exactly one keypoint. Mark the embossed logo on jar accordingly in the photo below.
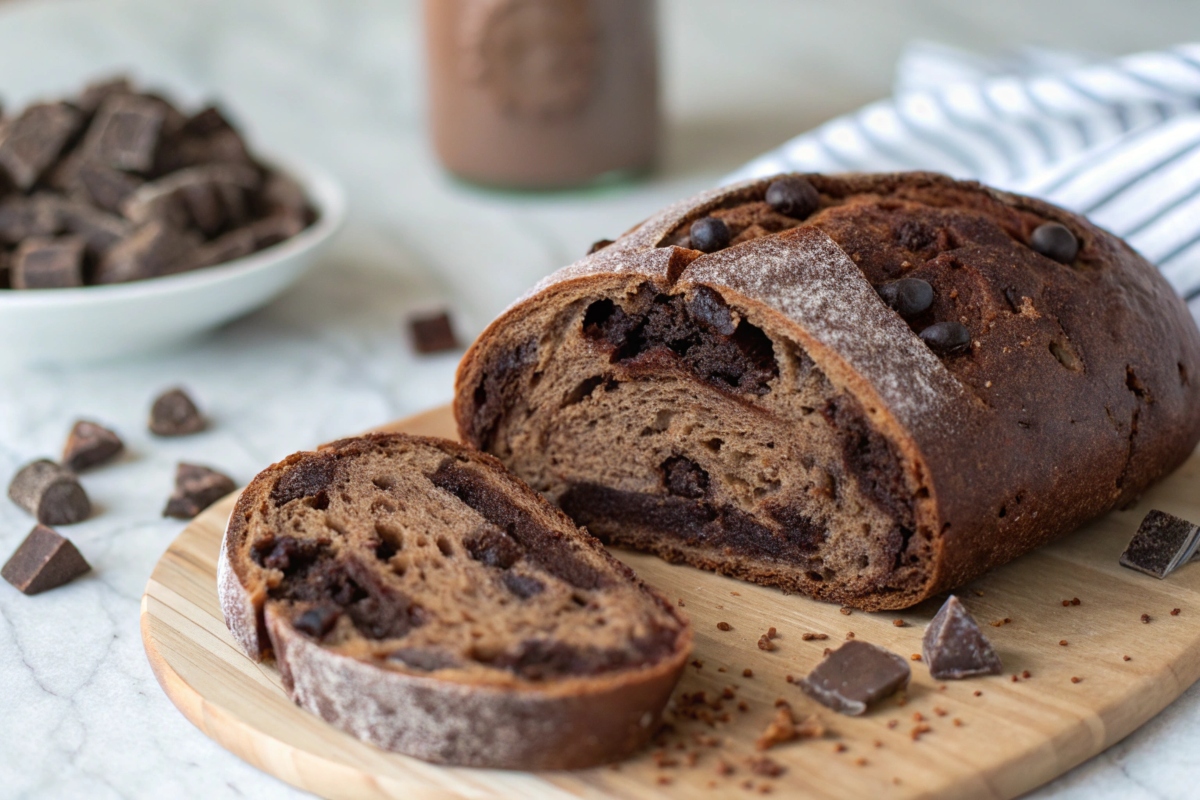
(537, 58)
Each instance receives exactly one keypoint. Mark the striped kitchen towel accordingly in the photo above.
(1117, 140)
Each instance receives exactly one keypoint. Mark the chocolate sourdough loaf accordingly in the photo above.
(418, 596)
(865, 388)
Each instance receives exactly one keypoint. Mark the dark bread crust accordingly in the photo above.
(570, 714)
(1079, 390)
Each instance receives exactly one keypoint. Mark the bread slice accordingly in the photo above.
(777, 409)
(418, 596)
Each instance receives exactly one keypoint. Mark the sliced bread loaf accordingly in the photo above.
(421, 598)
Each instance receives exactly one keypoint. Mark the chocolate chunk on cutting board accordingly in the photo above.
(50, 492)
(196, 488)
(955, 647)
(90, 444)
(45, 560)
(1162, 543)
(854, 676)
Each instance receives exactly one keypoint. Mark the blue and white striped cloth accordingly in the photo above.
(1116, 140)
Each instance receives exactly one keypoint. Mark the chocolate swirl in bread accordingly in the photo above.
(419, 597)
(865, 388)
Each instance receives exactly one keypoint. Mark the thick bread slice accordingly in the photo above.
(761, 411)
(418, 596)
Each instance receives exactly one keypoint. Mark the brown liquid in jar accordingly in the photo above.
(542, 94)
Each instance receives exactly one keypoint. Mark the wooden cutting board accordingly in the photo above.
(992, 737)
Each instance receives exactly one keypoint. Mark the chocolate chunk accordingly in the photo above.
(954, 646)
(493, 547)
(98, 229)
(97, 92)
(50, 492)
(711, 309)
(1162, 543)
(683, 477)
(523, 586)
(125, 131)
(22, 217)
(599, 244)
(48, 263)
(945, 338)
(316, 622)
(431, 333)
(793, 197)
(45, 560)
(175, 414)
(212, 191)
(709, 234)
(89, 445)
(908, 296)
(284, 195)
(33, 141)
(153, 250)
(196, 488)
(854, 676)
(1055, 240)
(100, 185)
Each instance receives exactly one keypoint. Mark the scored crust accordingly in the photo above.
(416, 595)
(761, 411)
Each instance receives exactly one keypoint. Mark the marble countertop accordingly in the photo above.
(339, 83)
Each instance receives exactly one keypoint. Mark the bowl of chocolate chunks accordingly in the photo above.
(128, 224)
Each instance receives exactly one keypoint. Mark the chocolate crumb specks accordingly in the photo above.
(1145, 619)
(1175, 612)
(1075, 679)
(765, 644)
(784, 728)
(724, 626)
(814, 637)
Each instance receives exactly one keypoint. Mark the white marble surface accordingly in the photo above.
(338, 82)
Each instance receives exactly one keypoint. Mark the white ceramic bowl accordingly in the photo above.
(103, 322)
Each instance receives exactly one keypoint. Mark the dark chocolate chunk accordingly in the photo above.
(90, 444)
(954, 646)
(50, 492)
(174, 413)
(491, 546)
(432, 333)
(102, 186)
(947, 337)
(97, 92)
(33, 141)
(1163, 542)
(215, 191)
(48, 263)
(599, 244)
(125, 131)
(711, 309)
(793, 197)
(98, 229)
(45, 560)
(22, 217)
(316, 622)
(709, 234)
(153, 250)
(908, 296)
(683, 477)
(523, 586)
(1055, 240)
(854, 676)
(196, 488)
